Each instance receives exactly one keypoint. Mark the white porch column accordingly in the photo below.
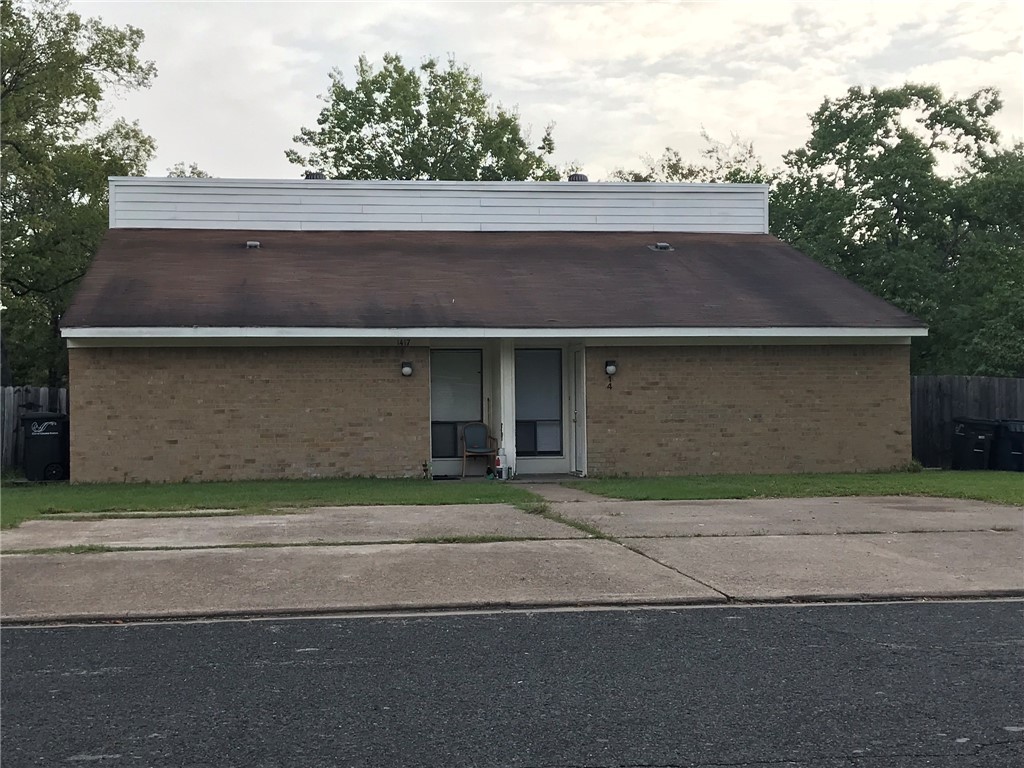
(507, 377)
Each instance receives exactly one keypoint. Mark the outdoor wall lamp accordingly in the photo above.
(406, 368)
(611, 368)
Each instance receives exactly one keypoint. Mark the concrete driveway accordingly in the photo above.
(333, 559)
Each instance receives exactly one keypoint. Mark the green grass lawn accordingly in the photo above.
(1003, 487)
(23, 502)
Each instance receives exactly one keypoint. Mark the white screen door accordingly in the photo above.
(456, 398)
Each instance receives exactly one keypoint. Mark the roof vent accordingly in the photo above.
(252, 243)
(315, 176)
(578, 177)
(661, 247)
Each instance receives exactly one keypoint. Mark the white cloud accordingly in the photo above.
(621, 80)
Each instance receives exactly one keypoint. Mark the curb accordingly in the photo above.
(495, 606)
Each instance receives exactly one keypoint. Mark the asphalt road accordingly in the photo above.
(865, 685)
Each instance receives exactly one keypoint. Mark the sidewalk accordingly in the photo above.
(587, 551)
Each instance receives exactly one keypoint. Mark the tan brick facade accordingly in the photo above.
(189, 414)
(702, 410)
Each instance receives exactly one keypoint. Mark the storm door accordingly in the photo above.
(539, 403)
(456, 398)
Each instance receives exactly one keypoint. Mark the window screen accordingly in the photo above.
(456, 397)
(538, 402)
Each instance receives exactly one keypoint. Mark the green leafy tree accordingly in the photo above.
(733, 162)
(983, 287)
(909, 194)
(191, 171)
(431, 122)
(56, 156)
(882, 193)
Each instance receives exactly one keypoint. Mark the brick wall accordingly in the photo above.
(174, 414)
(700, 410)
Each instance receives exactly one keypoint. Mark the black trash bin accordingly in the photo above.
(1008, 448)
(47, 452)
(972, 442)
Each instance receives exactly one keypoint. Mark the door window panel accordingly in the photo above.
(456, 397)
(538, 402)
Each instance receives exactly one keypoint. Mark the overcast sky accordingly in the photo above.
(619, 80)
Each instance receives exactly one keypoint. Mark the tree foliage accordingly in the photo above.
(982, 316)
(430, 122)
(909, 194)
(733, 162)
(191, 171)
(56, 157)
(894, 189)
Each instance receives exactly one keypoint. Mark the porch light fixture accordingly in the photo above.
(406, 368)
(611, 368)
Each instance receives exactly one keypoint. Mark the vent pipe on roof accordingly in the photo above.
(252, 243)
(315, 175)
(578, 177)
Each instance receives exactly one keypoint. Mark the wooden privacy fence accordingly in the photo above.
(936, 400)
(16, 402)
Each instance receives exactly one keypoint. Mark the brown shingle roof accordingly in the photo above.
(208, 278)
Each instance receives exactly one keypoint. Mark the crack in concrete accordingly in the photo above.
(105, 549)
(871, 532)
(671, 568)
(597, 533)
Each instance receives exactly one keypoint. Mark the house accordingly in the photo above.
(234, 329)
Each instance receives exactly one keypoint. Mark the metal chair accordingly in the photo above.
(477, 441)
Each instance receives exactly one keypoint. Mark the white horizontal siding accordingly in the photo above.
(418, 205)
(489, 207)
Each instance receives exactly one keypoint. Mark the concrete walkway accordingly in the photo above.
(327, 579)
(654, 553)
(561, 494)
(317, 525)
(786, 517)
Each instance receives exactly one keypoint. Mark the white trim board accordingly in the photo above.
(144, 336)
(514, 186)
(242, 332)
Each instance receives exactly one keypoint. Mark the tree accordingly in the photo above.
(432, 122)
(735, 162)
(56, 156)
(181, 171)
(909, 194)
(983, 303)
(882, 192)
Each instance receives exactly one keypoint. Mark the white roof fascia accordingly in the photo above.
(300, 334)
(306, 184)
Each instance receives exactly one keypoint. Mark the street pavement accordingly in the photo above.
(590, 551)
(825, 686)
